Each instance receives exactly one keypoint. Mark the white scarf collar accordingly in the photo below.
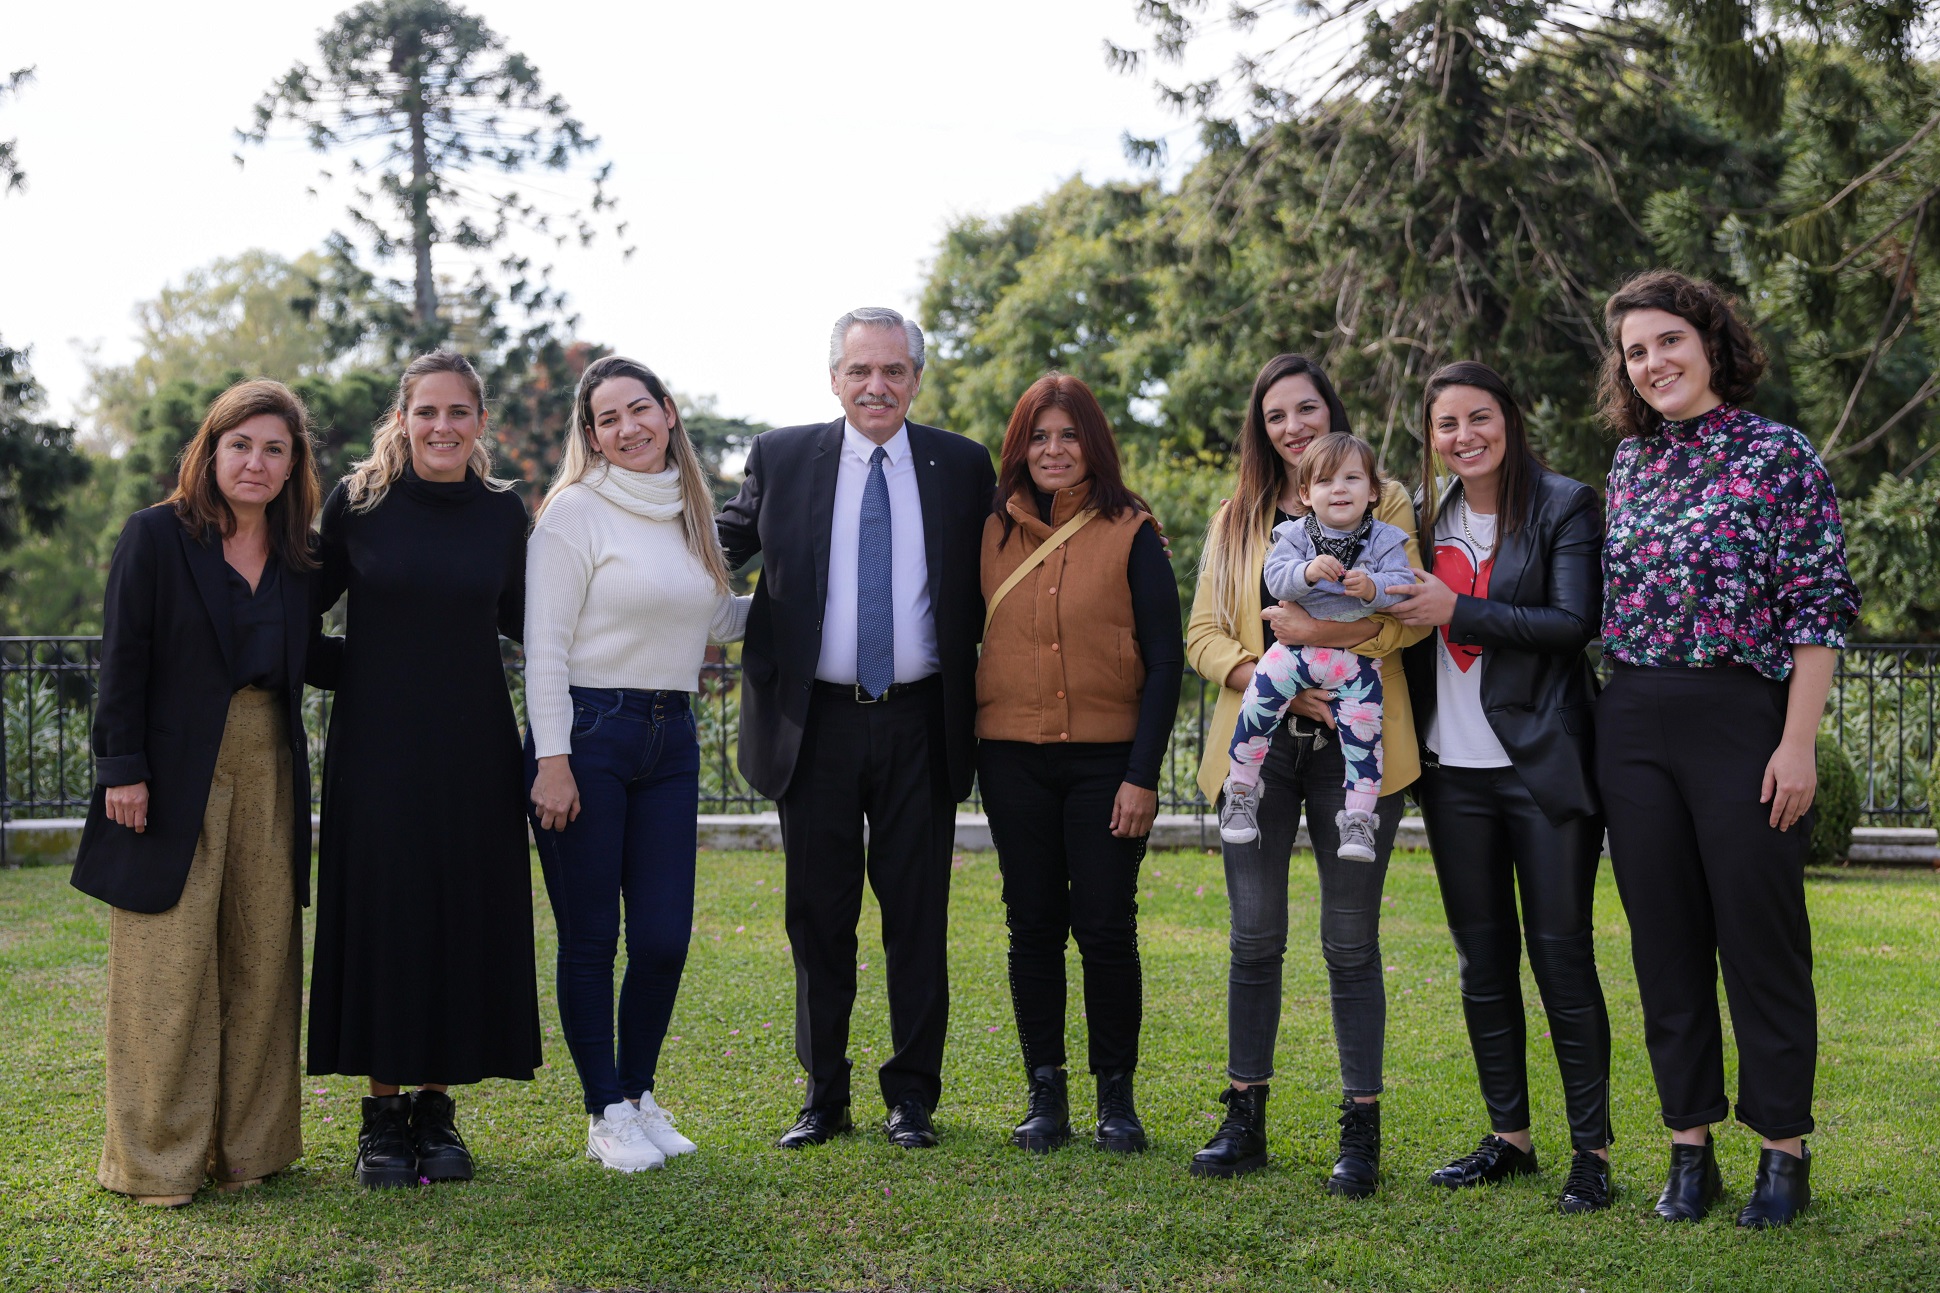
(655, 495)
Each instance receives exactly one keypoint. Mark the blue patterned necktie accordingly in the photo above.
(875, 607)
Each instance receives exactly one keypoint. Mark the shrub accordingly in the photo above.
(1836, 810)
(1933, 789)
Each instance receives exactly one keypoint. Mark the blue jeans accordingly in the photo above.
(637, 763)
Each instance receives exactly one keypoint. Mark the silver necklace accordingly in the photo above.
(1473, 542)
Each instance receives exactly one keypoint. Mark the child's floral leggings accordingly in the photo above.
(1354, 682)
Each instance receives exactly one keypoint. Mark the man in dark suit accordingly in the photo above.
(858, 701)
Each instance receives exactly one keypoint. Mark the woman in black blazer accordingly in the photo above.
(1502, 698)
(199, 833)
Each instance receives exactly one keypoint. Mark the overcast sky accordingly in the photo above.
(780, 162)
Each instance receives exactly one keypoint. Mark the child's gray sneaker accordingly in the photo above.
(1239, 813)
(1356, 835)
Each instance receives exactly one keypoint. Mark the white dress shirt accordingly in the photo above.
(910, 568)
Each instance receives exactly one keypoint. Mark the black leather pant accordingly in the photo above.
(1490, 839)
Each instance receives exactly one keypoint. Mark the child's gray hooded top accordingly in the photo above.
(1384, 556)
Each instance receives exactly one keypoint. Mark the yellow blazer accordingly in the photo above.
(1213, 653)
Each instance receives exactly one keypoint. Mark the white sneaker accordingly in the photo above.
(660, 1128)
(619, 1140)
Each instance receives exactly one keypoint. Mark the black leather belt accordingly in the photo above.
(854, 694)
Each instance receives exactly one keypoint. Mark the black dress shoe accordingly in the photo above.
(1495, 1159)
(1047, 1115)
(386, 1155)
(1588, 1188)
(1357, 1167)
(1693, 1183)
(1782, 1191)
(442, 1155)
(1239, 1146)
(817, 1125)
(908, 1125)
(1119, 1129)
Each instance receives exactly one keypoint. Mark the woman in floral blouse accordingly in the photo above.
(1725, 597)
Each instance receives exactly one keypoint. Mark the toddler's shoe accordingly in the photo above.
(1356, 835)
(1239, 813)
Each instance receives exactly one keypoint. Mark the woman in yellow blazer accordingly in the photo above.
(1292, 403)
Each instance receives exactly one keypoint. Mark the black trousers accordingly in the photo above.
(1491, 840)
(1065, 875)
(881, 763)
(1706, 880)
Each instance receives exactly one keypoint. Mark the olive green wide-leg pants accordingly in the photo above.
(204, 999)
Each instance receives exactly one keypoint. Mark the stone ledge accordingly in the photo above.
(51, 841)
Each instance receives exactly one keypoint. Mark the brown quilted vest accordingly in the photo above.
(1060, 661)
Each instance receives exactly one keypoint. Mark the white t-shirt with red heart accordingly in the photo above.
(1460, 734)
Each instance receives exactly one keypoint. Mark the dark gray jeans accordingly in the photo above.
(1304, 765)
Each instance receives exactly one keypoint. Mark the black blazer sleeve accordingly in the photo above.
(738, 522)
(1572, 614)
(127, 642)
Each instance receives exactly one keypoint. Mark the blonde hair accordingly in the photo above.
(371, 478)
(577, 460)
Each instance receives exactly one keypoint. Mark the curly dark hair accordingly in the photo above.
(1737, 360)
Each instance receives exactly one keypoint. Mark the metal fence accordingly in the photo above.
(1883, 710)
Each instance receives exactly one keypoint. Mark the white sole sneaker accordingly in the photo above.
(619, 1141)
(660, 1128)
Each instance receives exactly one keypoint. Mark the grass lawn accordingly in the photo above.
(976, 1213)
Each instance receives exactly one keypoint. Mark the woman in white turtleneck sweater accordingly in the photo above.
(625, 587)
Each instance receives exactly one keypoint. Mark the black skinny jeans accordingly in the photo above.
(1304, 765)
(1066, 874)
(1490, 840)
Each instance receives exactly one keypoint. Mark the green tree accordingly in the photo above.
(12, 177)
(420, 97)
(256, 313)
(39, 464)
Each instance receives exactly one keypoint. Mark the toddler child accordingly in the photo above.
(1338, 563)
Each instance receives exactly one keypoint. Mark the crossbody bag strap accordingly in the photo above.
(1033, 561)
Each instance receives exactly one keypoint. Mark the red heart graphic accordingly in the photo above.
(1454, 568)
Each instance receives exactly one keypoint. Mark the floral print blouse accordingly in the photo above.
(1723, 547)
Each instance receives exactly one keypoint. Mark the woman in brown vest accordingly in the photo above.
(1076, 692)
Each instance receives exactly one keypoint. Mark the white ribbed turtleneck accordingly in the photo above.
(613, 598)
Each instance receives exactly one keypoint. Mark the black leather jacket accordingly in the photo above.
(1545, 606)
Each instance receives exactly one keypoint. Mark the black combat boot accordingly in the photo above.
(1047, 1115)
(1119, 1129)
(1239, 1146)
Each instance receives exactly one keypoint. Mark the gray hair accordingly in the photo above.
(875, 316)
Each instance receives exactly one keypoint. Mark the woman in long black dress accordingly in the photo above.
(424, 965)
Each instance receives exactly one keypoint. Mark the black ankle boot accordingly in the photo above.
(386, 1155)
(1119, 1129)
(442, 1155)
(1047, 1113)
(1693, 1183)
(1359, 1162)
(1782, 1191)
(1239, 1146)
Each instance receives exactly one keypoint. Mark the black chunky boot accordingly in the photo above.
(1047, 1112)
(1119, 1129)
(1239, 1146)
(442, 1155)
(386, 1155)
(1358, 1165)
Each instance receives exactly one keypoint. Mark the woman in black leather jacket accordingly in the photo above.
(1502, 696)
